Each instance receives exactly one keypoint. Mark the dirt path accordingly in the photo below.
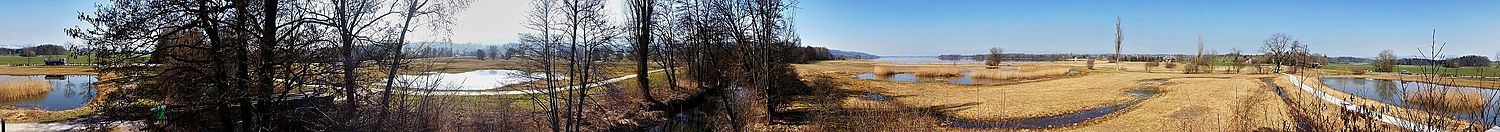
(513, 92)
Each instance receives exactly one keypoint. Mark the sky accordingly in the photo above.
(32, 22)
(923, 27)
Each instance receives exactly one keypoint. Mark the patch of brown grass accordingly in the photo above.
(1449, 99)
(15, 89)
(1022, 74)
(939, 71)
(883, 71)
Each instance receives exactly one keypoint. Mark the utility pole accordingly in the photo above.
(1119, 37)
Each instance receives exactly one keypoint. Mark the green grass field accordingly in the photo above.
(1414, 69)
(14, 59)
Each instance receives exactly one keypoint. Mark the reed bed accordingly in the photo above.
(939, 71)
(1449, 99)
(884, 71)
(16, 89)
(1022, 74)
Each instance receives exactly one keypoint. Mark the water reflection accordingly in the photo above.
(68, 92)
(1394, 92)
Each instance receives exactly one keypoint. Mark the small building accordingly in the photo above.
(55, 62)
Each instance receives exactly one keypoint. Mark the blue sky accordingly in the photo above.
(933, 27)
(30, 22)
(1338, 28)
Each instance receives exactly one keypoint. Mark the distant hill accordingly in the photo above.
(1346, 60)
(852, 54)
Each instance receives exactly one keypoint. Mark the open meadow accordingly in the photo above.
(1100, 100)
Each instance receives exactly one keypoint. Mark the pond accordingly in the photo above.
(472, 80)
(68, 92)
(1394, 92)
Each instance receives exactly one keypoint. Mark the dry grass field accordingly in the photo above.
(1202, 104)
(1024, 100)
(457, 65)
(1187, 102)
(1022, 73)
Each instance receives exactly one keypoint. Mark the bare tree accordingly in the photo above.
(642, 14)
(495, 52)
(1151, 63)
(994, 59)
(1196, 64)
(1119, 38)
(235, 65)
(1386, 61)
(572, 35)
(1238, 60)
(1275, 49)
(1300, 57)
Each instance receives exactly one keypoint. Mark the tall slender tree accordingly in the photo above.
(642, 14)
(1119, 39)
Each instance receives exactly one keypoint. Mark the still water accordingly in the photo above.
(1394, 92)
(68, 92)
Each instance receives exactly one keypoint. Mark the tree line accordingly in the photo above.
(734, 53)
(331, 65)
(260, 65)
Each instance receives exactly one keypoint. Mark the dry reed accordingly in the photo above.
(939, 71)
(883, 71)
(16, 89)
(1008, 74)
(1449, 99)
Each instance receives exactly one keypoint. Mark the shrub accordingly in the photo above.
(883, 71)
(1356, 70)
(1151, 64)
(16, 89)
(1091, 64)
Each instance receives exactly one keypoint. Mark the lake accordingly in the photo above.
(68, 92)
